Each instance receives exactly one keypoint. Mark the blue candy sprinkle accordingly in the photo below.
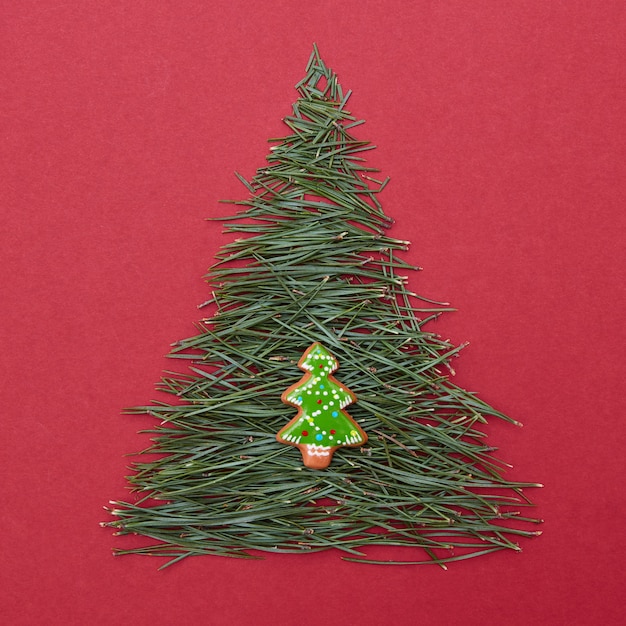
(319, 437)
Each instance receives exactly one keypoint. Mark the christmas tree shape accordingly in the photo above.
(321, 425)
(314, 264)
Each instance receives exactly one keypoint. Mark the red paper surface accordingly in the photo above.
(502, 127)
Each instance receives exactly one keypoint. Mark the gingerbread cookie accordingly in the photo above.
(321, 424)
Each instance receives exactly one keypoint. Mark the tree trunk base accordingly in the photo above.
(316, 457)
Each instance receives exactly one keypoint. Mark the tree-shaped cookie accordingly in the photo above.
(321, 425)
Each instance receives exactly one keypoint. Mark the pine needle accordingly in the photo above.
(314, 263)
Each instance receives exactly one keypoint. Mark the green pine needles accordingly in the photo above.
(314, 264)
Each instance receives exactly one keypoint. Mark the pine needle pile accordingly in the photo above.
(314, 264)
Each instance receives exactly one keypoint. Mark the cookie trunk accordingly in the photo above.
(316, 457)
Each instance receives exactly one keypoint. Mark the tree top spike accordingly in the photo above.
(312, 85)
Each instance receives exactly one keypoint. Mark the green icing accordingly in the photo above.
(321, 399)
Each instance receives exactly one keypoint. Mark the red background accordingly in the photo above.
(501, 125)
